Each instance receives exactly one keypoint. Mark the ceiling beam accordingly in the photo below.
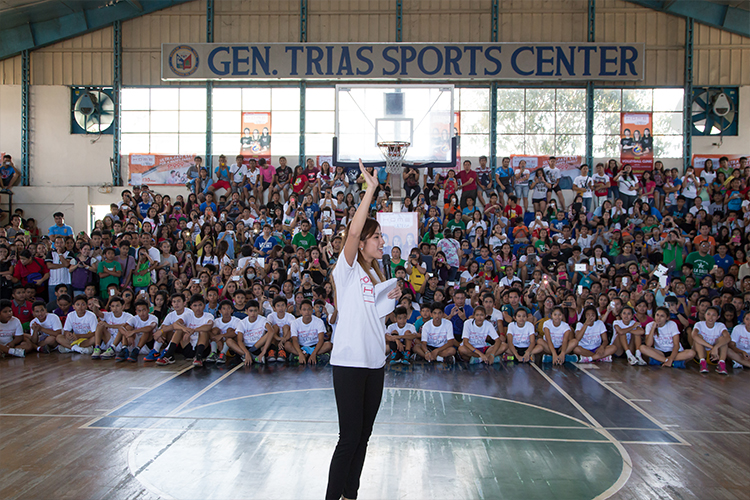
(724, 17)
(36, 35)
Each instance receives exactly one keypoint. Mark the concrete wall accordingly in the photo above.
(10, 121)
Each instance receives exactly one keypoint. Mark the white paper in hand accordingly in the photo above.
(383, 304)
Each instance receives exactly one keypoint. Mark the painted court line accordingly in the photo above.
(641, 401)
(627, 463)
(636, 407)
(174, 375)
(205, 389)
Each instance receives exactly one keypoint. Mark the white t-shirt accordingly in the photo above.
(360, 338)
(592, 337)
(171, 318)
(741, 337)
(599, 264)
(663, 337)
(136, 322)
(80, 326)
(437, 336)
(195, 322)
(628, 186)
(238, 172)
(252, 332)
(51, 322)
(552, 174)
(521, 334)
(307, 333)
(621, 324)
(689, 189)
(585, 182)
(233, 323)
(61, 275)
(12, 328)
(109, 318)
(557, 333)
(477, 335)
(710, 335)
(601, 179)
(395, 330)
(287, 320)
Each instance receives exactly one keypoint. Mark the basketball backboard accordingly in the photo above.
(421, 115)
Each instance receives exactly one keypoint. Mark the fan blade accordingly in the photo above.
(699, 116)
(699, 100)
(709, 125)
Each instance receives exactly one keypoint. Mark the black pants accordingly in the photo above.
(358, 392)
(412, 192)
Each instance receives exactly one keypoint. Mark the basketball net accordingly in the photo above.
(394, 152)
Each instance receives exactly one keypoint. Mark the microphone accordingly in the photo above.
(387, 266)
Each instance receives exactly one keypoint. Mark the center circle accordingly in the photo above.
(425, 444)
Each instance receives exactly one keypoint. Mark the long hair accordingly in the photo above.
(371, 225)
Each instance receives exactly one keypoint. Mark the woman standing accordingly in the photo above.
(358, 357)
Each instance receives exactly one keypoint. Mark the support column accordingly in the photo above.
(117, 93)
(302, 83)
(687, 106)
(209, 91)
(25, 118)
(590, 93)
(493, 93)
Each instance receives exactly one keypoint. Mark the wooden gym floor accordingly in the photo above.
(73, 428)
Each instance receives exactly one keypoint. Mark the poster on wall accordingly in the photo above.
(636, 141)
(569, 165)
(159, 169)
(399, 230)
(256, 135)
(320, 159)
(698, 161)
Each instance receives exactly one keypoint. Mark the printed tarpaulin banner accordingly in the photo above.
(569, 165)
(636, 141)
(698, 161)
(400, 229)
(159, 169)
(256, 135)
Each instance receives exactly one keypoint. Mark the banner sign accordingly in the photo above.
(159, 169)
(256, 134)
(403, 61)
(699, 161)
(399, 229)
(636, 141)
(569, 165)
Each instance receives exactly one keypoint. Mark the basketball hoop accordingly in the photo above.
(393, 152)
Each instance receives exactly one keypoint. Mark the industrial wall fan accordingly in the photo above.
(715, 110)
(92, 110)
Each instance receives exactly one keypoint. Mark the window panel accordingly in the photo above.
(193, 99)
(606, 146)
(165, 99)
(136, 99)
(165, 144)
(540, 144)
(227, 121)
(475, 122)
(540, 122)
(668, 146)
(256, 99)
(319, 144)
(134, 143)
(571, 99)
(474, 99)
(475, 145)
(321, 99)
(227, 99)
(570, 123)
(285, 99)
(510, 122)
(228, 144)
(570, 145)
(192, 144)
(637, 99)
(510, 99)
(135, 121)
(509, 145)
(164, 121)
(540, 99)
(287, 144)
(607, 99)
(667, 124)
(606, 123)
(319, 121)
(668, 99)
(285, 121)
(192, 121)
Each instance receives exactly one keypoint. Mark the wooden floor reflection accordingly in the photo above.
(74, 428)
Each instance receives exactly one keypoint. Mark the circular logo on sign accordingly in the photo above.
(183, 60)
